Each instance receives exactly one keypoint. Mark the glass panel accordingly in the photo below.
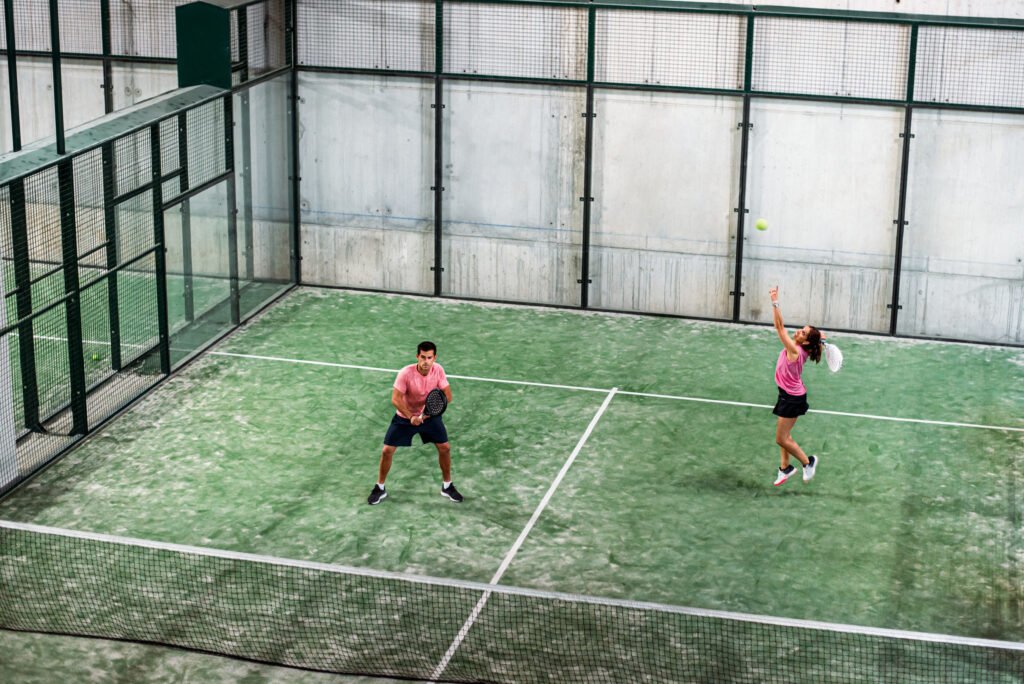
(662, 236)
(133, 83)
(198, 282)
(262, 173)
(367, 207)
(513, 175)
(962, 272)
(829, 193)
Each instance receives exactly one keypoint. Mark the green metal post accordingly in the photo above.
(73, 307)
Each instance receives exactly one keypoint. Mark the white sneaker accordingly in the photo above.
(809, 468)
(784, 475)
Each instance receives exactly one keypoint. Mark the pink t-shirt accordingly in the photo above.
(416, 386)
(787, 373)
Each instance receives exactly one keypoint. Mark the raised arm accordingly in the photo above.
(792, 351)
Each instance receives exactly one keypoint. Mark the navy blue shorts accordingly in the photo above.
(790, 405)
(401, 430)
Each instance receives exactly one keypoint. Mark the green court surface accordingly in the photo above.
(269, 445)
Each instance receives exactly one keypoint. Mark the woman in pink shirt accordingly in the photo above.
(792, 403)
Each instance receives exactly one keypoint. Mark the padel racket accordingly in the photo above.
(833, 357)
(435, 405)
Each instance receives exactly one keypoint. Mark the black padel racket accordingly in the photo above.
(436, 404)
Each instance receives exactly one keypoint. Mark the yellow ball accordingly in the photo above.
(95, 357)
(761, 224)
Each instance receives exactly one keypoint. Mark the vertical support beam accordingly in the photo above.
(73, 306)
(901, 215)
(438, 188)
(23, 283)
(245, 129)
(12, 75)
(229, 159)
(291, 49)
(58, 87)
(243, 42)
(108, 68)
(741, 202)
(588, 161)
(110, 228)
(187, 277)
(161, 250)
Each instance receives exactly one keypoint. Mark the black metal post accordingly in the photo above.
(23, 282)
(741, 202)
(110, 227)
(438, 187)
(58, 88)
(73, 307)
(901, 216)
(291, 49)
(161, 251)
(12, 75)
(588, 161)
(108, 68)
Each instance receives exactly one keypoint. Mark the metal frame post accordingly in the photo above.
(23, 300)
(901, 215)
(161, 250)
(12, 75)
(438, 106)
(73, 307)
(741, 201)
(58, 86)
(588, 161)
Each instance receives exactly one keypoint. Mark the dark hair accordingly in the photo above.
(813, 344)
(426, 346)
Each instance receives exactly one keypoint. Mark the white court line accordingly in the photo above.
(443, 665)
(895, 419)
(672, 397)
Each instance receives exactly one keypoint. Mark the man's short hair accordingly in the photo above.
(426, 346)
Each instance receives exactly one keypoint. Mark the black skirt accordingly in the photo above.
(790, 405)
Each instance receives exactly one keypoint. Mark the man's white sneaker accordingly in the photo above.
(784, 475)
(809, 468)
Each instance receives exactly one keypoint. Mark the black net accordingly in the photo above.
(337, 619)
(395, 35)
(969, 66)
(830, 58)
(517, 41)
(671, 49)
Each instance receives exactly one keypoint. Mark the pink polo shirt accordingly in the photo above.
(416, 386)
(787, 373)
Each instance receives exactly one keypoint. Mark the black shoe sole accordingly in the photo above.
(382, 497)
(445, 494)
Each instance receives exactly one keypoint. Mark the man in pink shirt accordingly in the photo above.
(409, 395)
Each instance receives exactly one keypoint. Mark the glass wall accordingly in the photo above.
(366, 151)
(513, 178)
(662, 228)
(963, 253)
(263, 166)
(830, 241)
